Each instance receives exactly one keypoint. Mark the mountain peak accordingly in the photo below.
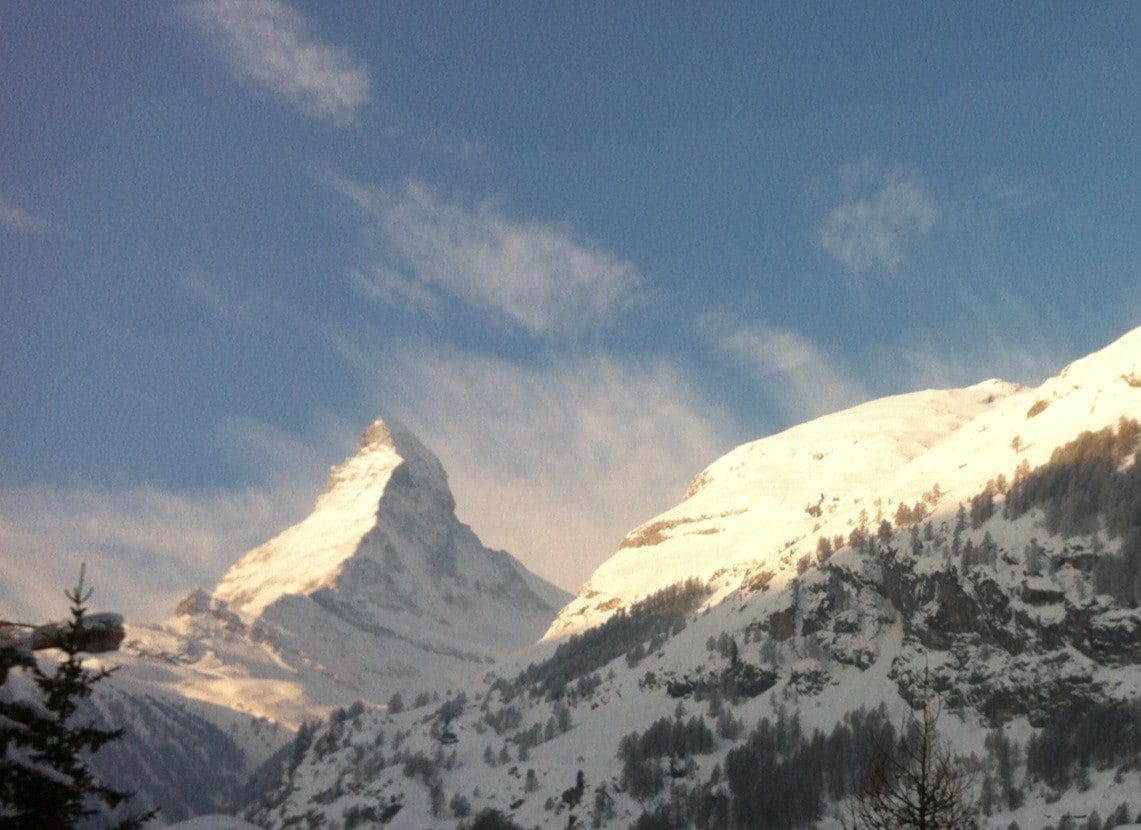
(377, 436)
(379, 589)
(383, 567)
(391, 436)
(361, 479)
(311, 554)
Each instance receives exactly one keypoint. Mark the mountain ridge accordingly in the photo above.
(972, 569)
(766, 503)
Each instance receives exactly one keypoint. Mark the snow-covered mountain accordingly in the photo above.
(381, 589)
(979, 546)
(766, 504)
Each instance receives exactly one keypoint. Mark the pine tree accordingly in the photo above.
(915, 785)
(45, 780)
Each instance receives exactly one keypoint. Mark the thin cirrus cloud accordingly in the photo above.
(267, 43)
(385, 285)
(534, 274)
(880, 215)
(797, 376)
(575, 447)
(17, 220)
(232, 309)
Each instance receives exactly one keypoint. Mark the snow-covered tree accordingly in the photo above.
(45, 780)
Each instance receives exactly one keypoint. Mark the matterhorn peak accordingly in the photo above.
(377, 436)
(383, 436)
(360, 481)
(311, 554)
(381, 566)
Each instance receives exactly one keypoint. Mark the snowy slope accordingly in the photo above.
(751, 508)
(477, 760)
(1003, 616)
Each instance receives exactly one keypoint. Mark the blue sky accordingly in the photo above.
(580, 249)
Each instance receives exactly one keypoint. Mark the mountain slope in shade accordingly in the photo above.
(764, 506)
(380, 590)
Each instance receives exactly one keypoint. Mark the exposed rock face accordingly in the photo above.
(983, 640)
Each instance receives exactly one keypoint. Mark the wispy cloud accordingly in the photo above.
(881, 212)
(17, 220)
(996, 354)
(232, 309)
(800, 379)
(536, 275)
(386, 286)
(457, 151)
(144, 548)
(267, 43)
(1011, 195)
(554, 463)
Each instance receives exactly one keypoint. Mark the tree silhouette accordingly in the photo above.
(45, 780)
(916, 784)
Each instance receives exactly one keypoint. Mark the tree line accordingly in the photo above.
(654, 618)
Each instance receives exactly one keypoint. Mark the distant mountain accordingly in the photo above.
(978, 550)
(379, 590)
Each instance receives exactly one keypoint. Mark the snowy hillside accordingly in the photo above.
(978, 548)
(765, 505)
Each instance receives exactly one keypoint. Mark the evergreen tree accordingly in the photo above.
(915, 785)
(45, 780)
(1005, 754)
(490, 819)
(395, 704)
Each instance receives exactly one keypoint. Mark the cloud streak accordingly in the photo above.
(144, 548)
(799, 378)
(536, 275)
(17, 220)
(553, 463)
(880, 215)
(233, 310)
(268, 44)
